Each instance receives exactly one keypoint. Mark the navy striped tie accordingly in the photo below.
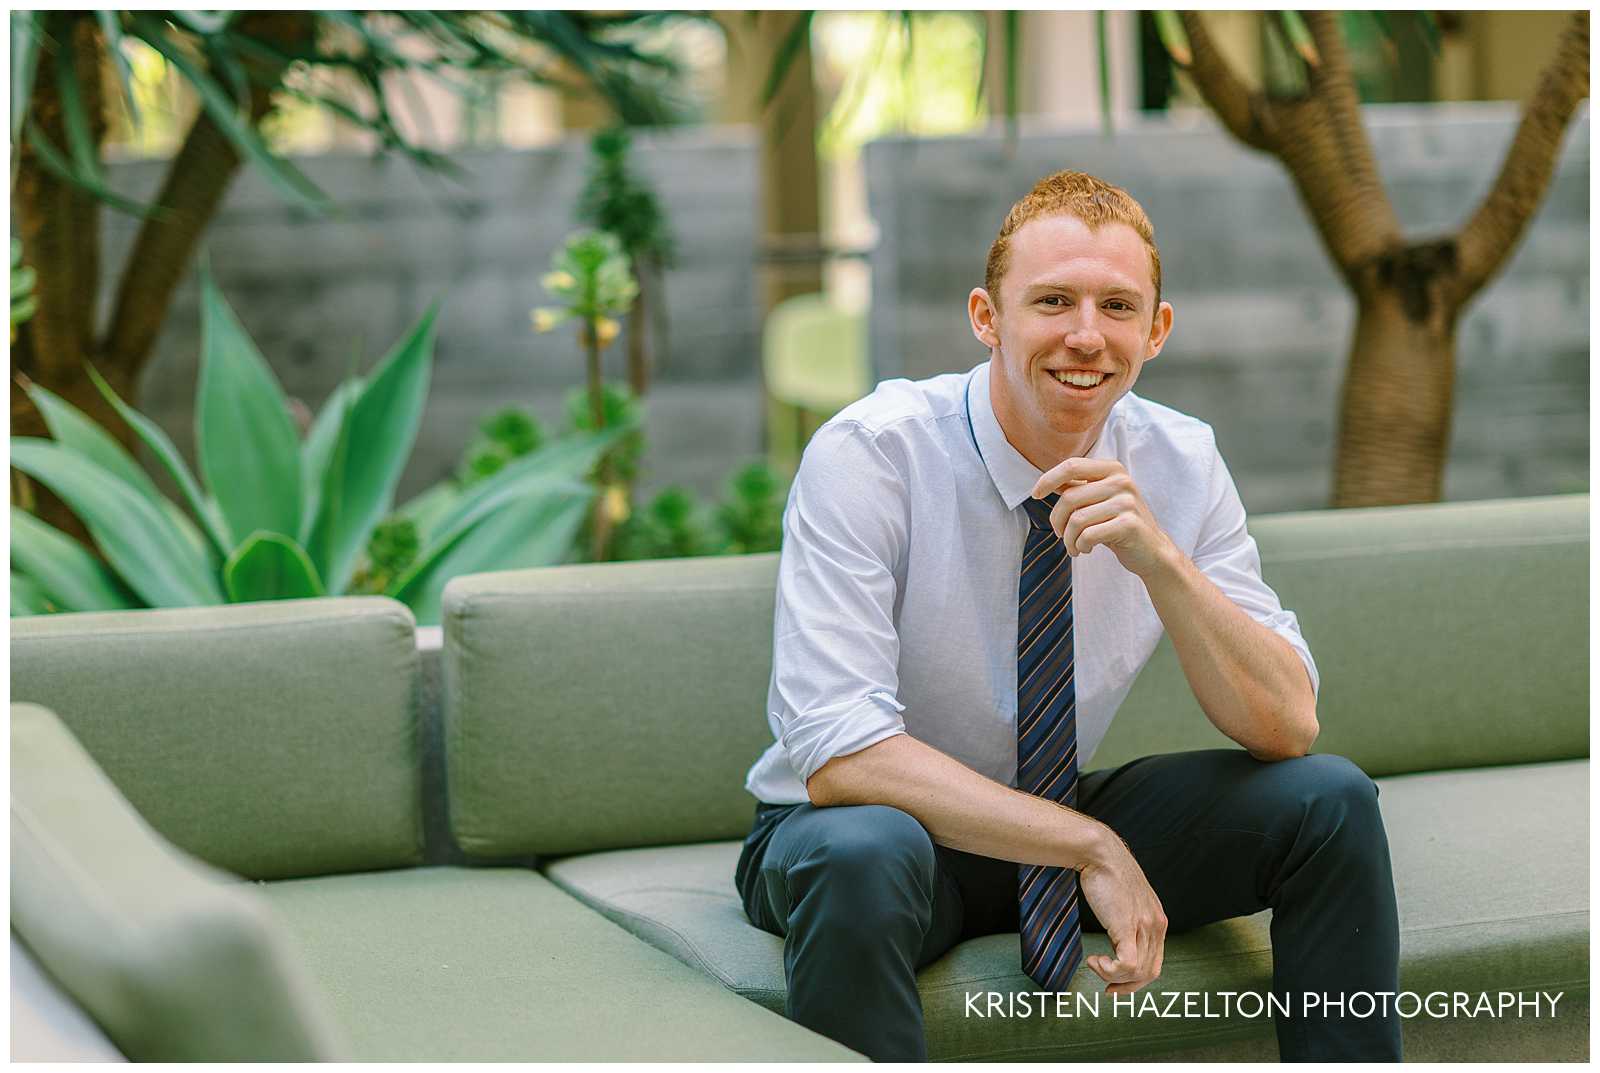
(1047, 744)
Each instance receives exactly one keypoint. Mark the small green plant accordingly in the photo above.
(391, 551)
(616, 200)
(748, 520)
(503, 437)
(672, 526)
(591, 277)
(752, 514)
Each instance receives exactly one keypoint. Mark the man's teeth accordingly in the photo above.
(1080, 379)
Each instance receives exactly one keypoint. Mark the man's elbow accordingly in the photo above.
(822, 787)
(1294, 739)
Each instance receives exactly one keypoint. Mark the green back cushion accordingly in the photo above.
(1446, 636)
(273, 740)
(594, 707)
(600, 706)
(172, 959)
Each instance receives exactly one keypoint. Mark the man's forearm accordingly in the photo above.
(1249, 681)
(959, 807)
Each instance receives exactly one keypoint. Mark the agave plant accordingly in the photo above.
(271, 516)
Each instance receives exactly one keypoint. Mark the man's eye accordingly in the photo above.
(1053, 300)
(1123, 305)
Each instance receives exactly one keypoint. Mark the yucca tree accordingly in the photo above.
(68, 68)
(1410, 290)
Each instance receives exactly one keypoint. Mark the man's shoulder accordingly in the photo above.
(1154, 426)
(895, 402)
(901, 408)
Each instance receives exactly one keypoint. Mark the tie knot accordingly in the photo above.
(1039, 509)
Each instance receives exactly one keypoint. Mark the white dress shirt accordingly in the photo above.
(897, 585)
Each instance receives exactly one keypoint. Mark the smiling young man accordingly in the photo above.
(975, 568)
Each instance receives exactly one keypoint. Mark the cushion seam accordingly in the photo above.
(154, 628)
(704, 965)
(1367, 551)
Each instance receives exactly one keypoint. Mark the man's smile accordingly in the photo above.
(1079, 383)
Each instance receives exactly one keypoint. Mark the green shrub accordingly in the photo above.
(272, 517)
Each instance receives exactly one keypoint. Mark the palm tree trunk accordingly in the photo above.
(1395, 406)
(60, 230)
(195, 185)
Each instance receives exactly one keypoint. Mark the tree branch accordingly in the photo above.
(1325, 147)
(1492, 234)
(1245, 112)
(196, 182)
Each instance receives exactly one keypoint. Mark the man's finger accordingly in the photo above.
(1124, 967)
(1063, 515)
(1110, 969)
(1074, 471)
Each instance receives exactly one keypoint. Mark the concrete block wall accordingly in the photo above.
(1261, 322)
(311, 290)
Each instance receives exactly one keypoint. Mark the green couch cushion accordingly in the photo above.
(1491, 873)
(272, 739)
(570, 691)
(172, 959)
(46, 1025)
(1446, 636)
(496, 963)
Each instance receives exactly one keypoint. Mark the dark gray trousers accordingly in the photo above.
(863, 897)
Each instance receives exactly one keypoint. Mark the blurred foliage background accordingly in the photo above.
(138, 124)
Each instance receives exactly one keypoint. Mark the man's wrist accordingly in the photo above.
(1170, 570)
(1098, 846)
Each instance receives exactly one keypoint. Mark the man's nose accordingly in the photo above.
(1084, 333)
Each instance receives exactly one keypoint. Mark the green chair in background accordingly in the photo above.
(814, 358)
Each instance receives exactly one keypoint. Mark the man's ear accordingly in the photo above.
(1160, 329)
(981, 312)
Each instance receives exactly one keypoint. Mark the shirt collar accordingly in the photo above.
(1013, 475)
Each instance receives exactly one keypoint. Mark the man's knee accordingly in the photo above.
(1333, 799)
(878, 859)
(862, 842)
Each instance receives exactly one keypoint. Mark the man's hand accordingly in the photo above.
(1130, 911)
(1101, 505)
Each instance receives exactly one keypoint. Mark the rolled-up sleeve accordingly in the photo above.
(835, 647)
(1226, 553)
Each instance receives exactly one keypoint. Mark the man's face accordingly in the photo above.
(1072, 300)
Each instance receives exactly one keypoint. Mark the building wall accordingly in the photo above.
(314, 291)
(1261, 322)
(1260, 314)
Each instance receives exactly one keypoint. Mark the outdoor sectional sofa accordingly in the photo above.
(314, 837)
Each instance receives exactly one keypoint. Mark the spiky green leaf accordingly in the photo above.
(63, 569)
(75, 430)
(160, 445)
(137, 538)
(248, 446)
(361, 479)
(270, 566)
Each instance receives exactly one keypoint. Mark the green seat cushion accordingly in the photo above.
(496, 963)
(1446, 636)
(271, 739)
(172, 959)
(1491, 872)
